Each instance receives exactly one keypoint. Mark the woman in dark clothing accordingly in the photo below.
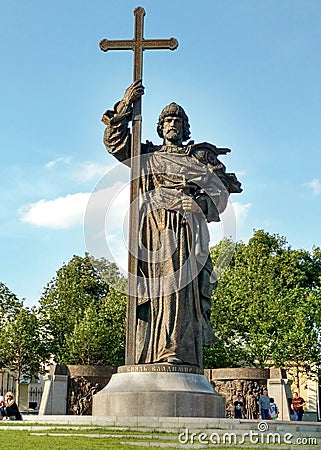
(10, 409)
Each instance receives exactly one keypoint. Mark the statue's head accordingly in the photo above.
(174, 110)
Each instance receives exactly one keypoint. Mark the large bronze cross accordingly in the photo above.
(138, 45)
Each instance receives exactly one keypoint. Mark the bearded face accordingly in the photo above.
(173, 129)
(173, 112)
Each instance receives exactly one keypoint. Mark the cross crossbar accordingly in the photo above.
(107, 44)
(138, 44)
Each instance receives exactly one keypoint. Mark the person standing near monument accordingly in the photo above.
(297, 406)
(238, 408)
(264, 404)
(274, 410)
(183, 187)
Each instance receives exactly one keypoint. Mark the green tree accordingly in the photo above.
(110, 273)
(9, 305)
(99, 337)
(75, 305)
(21, 348)
(266, 305)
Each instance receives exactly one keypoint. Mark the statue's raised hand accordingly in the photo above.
(132, 93)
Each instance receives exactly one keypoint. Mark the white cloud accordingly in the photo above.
(104, 207)
(90, 170)
(60, 213)
(315, 186)
(54, 162)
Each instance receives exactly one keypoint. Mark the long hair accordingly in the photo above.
(9, 394)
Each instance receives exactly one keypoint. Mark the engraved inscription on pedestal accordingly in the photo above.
(141, 368)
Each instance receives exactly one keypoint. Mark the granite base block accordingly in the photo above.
(158, 394)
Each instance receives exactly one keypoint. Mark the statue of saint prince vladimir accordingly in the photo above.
(183, 186)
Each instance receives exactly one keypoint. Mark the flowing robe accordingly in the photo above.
(175, 275)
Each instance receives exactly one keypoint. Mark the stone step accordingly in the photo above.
(172, 423)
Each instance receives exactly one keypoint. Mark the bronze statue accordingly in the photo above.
(183, 186)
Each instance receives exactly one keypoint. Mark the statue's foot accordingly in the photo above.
(174, 360)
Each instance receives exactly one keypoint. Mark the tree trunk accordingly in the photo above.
(18, 387)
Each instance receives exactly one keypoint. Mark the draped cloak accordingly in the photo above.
(175, 273)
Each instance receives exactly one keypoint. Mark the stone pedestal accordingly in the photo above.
(280, 390)
(54, 397)
(161, 390)
(23, 400)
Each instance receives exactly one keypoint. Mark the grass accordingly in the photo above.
(23, 440)
(14, 439)
(90, 437)
(46, 437)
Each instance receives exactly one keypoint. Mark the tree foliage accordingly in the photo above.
(266, 308)
(99, 337)
(83, 314)
(266, 311)
(22, 349)
(9, 305)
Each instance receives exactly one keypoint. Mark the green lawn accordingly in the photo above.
(14, 439)
(49, 439)
(65, 437)
(23, 440)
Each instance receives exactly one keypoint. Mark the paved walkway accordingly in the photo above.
(173, 423)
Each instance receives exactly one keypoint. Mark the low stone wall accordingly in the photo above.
(70, 389)
(246, 382)
(83, 382)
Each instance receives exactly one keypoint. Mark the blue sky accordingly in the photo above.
(247, 73)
